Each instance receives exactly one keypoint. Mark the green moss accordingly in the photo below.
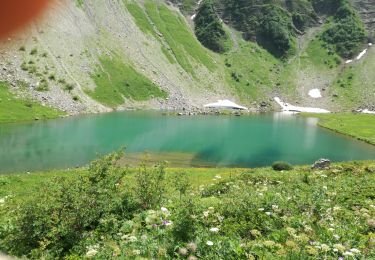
(13, 109)
(114, 80)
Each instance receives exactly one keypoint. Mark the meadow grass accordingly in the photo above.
(360, 126)
(13, 109)
(354, 85)
(114, 80)
(319, 56)
(251, 70)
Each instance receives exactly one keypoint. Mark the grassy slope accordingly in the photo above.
(355, 83)
(360, 126)
(251, 70)
(13, 109)
(272, 214)
(115, 80)
(144, 24)
(184, 46)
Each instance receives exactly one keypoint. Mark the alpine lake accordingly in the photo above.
(182, 141)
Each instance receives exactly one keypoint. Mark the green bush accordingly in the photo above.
(150, 185)
(282, 166)
(34, 51)
(209, 29)
(346, 33)
(66, 210)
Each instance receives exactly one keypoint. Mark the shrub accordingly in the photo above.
(282, 166)
(184, 224)
(209, 29)
(52, 77)
(150, 185)
(182, 184)
(346, 33)
(22, 48)
(34, 51)
(76, 98)
(61, 81)
(43, 86)
(65, 210)
(68, 87)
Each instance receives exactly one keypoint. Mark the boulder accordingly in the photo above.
(321, 164)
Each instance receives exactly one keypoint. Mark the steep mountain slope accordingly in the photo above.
(95, 56)
(77, 44)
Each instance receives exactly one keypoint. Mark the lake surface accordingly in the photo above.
(215, 141)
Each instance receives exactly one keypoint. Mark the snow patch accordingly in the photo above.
(193, 16)
(286, 107)
(348, 61)
(315, 93)
(366, 111)
(370, 44)
(361, 54)
(225, 104)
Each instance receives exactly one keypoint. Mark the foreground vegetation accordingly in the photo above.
(360, 126)
(13, 109)
(107, 211)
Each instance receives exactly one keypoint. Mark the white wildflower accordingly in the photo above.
(355, 251)
(206, 213)
(136, 252)
(91, 253)
(163, 209)
(348, 253)
(214, 229)
(261, 209)
(325, 247)
(209, 243)
(268, 213)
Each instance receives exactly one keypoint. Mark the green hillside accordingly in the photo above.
(184, 54)
(14, 109)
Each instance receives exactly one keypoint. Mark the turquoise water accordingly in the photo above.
(219, 141)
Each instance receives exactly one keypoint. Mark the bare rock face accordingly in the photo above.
(321, 164)
(366, 9)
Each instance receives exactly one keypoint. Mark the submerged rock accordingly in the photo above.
(321, 164)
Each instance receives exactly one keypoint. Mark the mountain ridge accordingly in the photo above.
(153, 44)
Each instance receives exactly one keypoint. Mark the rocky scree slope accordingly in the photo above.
(92, 56)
